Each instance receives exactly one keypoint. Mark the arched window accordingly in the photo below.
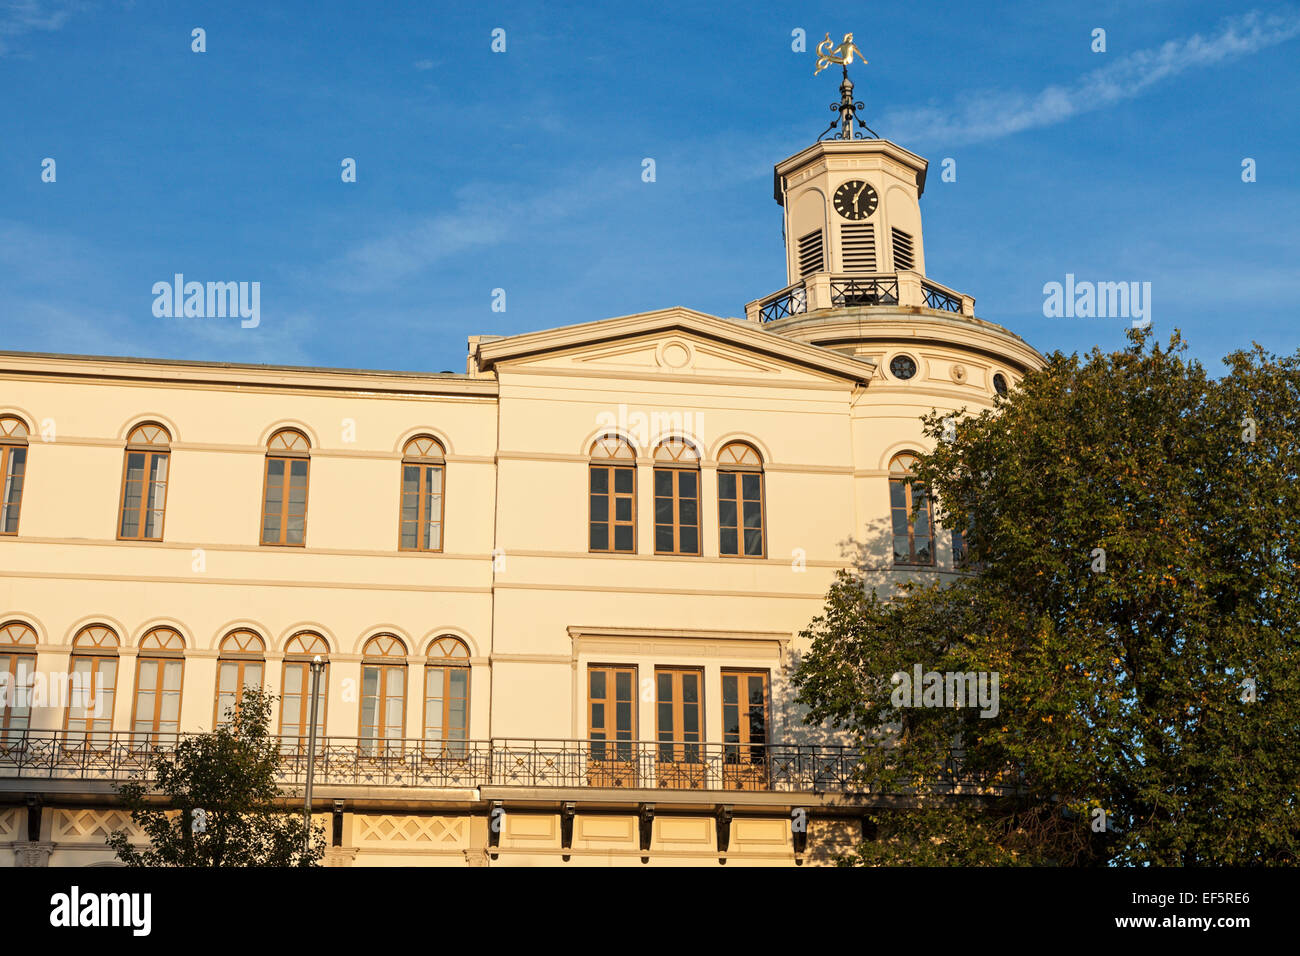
(612, 490)
(159, 670)
(284, 498)
(383, 695)
(88, 719)
(423, 465)
(239, 667)
(17, 667)
(677, 498)
(446, 696)
(295, 689)
(740, 501)
(13, 466)
(912, 513)
(144, 483)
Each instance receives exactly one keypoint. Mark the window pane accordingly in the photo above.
(623, 480)
(623, 538)
(599, 480)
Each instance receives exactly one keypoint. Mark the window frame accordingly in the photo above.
(610, 702)
(139, 442)
(13, 436)
(159, 656)
(610, 460)
(737, 468)
(681, 748)
(445, 663)
(674, 467)
(19, 645)
(907, 481)
(303, 659)
(98, 652)
(288, 455)
(424, 463)
(241, 658)
(384, 658)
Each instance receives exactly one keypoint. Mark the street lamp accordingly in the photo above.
(317, 666)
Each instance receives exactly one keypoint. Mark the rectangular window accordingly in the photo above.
(15, 707)
(446, 707)
(745, 729)
(958, 549)
(679, 717)
(284, 509)
(88, 719)
(611, 711)
(144, 495)
(612, 509)
(740, 512)
(677, 511)
(913, 523)
(13, 465)
(421, 507)
(383, 707)
(233, 678)
(157, 699)
(295, 705)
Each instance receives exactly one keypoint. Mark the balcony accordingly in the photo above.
(826, 290)
(35, 757)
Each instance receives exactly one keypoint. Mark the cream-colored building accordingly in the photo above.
(559, 595)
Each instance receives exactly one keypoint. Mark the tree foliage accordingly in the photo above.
(230, 776)
(1163, 690)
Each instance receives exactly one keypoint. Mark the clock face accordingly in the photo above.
(855, 200)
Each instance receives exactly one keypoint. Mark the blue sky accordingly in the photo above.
(522, 170)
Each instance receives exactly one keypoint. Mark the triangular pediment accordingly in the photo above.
(675, 342)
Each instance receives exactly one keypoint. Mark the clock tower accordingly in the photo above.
(852, 202)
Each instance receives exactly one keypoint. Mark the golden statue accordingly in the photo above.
(842, 54)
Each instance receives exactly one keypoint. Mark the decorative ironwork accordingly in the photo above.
(938, 299)
(854, 291)
(846, 114)
(465, 764)
(793, 301)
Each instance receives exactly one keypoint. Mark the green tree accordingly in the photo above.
(1136, 529)
(230, 776)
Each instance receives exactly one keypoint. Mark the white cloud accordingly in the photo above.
(19, 17)
(992, 114)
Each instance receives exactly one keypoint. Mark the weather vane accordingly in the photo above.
(847, 109)
(842, 54)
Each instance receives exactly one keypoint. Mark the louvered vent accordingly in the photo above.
(811, 255)
(903, 256)
(858, 247)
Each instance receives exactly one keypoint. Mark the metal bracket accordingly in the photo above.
(567, 813)
(724, 815)
(646, 811)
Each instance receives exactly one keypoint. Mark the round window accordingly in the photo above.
(1000, 383)
(902, 366)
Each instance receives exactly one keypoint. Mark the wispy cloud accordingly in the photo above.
(20, 17)
(991, 114)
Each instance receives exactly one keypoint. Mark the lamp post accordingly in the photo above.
(317, 666)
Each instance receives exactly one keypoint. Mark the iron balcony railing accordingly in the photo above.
(827, 290)
(846, 291)
(936, 298)
(465, 764)
(789, 301)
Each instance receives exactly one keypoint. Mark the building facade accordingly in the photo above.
(558, 596)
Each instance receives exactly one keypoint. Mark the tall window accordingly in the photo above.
(423, 463)
(744, 728)
(446, 695)
(13, 465)
(295, 689)
(284, 500)
(160, 667)
(912, 513)
(383, 695)
(611, 711)
(677, 498)
(613, 495)
(88, 719)
(240, 667)
(740, 500)
(679, 725)
(144, 483)
(17, 665)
